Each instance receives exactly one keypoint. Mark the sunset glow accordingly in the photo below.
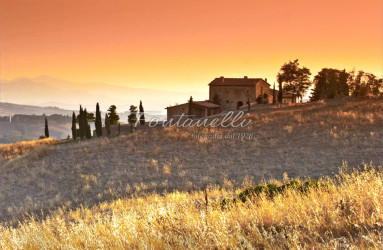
(182, 45)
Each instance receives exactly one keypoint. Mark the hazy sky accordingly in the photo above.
(183, 45)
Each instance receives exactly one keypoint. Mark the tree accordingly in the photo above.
(113, 116)
(280, 92)
(98, 122)
(295, 80)
(85, 124)
(107, 125)
(46, 130)
(88, 133)
(364, 83)
(132, 118)
(274, 97)
(330, 83)
(142, 115)
(89, 117)
(265, 98)
(74, 127)
(81, 123)
(190, 109)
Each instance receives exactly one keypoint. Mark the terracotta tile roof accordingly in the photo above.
(204, 104)
(221, 81)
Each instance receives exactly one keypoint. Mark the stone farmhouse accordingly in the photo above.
(227, 94)
(232, 93)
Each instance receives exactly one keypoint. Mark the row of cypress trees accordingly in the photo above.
(84, 130)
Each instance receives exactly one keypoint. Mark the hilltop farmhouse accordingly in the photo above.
(227, 94)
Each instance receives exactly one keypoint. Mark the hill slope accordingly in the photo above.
(344, 213)
(301, 140)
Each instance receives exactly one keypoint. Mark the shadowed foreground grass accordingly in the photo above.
(347, 212)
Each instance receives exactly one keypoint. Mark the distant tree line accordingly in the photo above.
(328, 83)
(81, 123)
(62, 119)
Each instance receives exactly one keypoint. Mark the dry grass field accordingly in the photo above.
(9, 151)
(294, 141)
(347, 214)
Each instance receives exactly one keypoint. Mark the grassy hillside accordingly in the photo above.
(347, 213)
(288, 142)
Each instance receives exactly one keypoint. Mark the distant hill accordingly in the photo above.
(49, 91)
(29, 129)
(12, 109)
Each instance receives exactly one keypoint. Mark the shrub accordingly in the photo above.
(271, 190)
(259, 100)
(265, 98)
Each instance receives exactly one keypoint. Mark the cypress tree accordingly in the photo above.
(190, 110)
(142, 116)
(85, 123)
(46, 128)
(98, 123)
(74, 129)
(81, 123)
(88, 134)
(280, 95)
(274, 97)
(107, 125)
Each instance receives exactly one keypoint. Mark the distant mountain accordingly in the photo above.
(49, 91)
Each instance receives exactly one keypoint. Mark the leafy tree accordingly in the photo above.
(330, 83)
(113, 116)
(107, 125)
(74, 126)
(46, 130)
(142, 115)
(89, 117)
(364, 83)
(265, 98)
(98, 122)
(190, 109)
(132, 118)
(295, 80)
(259, 99)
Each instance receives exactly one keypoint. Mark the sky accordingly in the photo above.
(183, 45)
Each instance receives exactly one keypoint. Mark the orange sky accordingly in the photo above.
(183, 45)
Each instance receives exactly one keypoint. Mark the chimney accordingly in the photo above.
(265, 79)
(245, 77)
(222, 78)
